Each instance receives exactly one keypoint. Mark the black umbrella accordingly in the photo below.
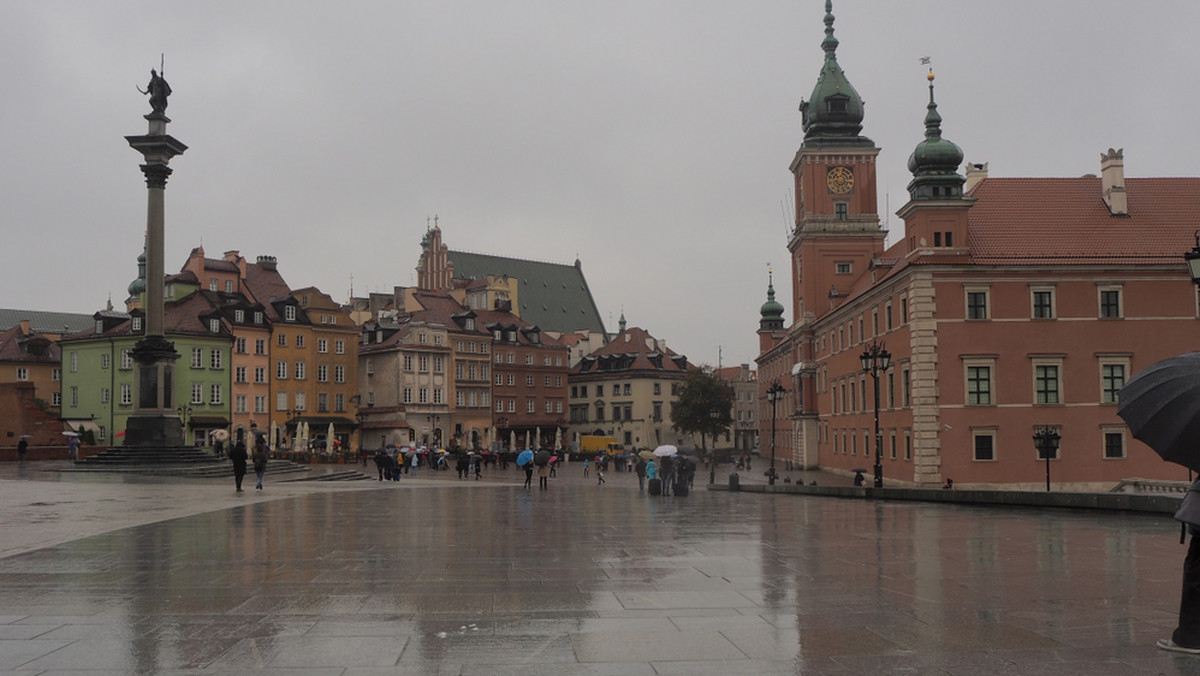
(541, 458)
(1161, 405)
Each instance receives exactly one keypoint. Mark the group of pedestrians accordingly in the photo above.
(239, 457)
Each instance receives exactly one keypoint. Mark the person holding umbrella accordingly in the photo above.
(1161, 409)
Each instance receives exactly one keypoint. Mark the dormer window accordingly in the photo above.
(239, 316)
(836, 105)
(214, 326)
(289, 313)
(137, 324)
(99, 326)
(469, 324)
(212, 284)
(258, 318)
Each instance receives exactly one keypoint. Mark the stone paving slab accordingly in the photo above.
(432, 575)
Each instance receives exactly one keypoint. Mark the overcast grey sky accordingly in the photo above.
(650, 139)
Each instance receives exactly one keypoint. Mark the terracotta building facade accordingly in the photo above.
(1006, 305)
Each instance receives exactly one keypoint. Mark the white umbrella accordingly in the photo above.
(274, 433)
(537, 439)
(512, 440)
(70, 434)
(329, 439)
(220, 435)
(666, 450)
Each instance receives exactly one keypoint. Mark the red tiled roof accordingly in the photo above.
(639, 343)
(1065, 220)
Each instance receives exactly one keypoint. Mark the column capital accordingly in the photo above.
(156, 175)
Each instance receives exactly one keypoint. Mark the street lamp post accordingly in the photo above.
(774, 393)
(714, 414)
(876, 358)
(185, 413)
(1045, 439)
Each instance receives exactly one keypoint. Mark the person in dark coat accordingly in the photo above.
(381, 461)
(22, 448)
(260, 462)
(640, 468)
(239, 458)
(529, 475)
(1186, 637)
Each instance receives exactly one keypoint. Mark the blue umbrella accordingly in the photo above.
(524, 458)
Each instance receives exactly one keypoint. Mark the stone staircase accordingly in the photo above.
(189, 461)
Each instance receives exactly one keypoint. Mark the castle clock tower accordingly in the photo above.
(837, 225)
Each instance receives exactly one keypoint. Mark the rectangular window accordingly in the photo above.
(239, 374)
(214, 325)
(423, 363)
(339, 403)
(240, 345)
(126, 358)
(906, 387)
(260, 403)
(301, 369)
(437, 391)
(1043, 304)
(240, 403)
(977, 305)
(197, 393)
(104, 361)
(1114, 445)
(299, 340)
(339, 374)
(322, 373)
(281, 401)
(984, 445)
(281, 340)
(1110, 303)
(239, 316)
(197, 357)
(104, 395)
(260, 346)
(74, 395)
(22, 374)
(289, 313)
(438, 364)
(216, 359)
(841, 211)
(322, 345)
(423, 395)
(281, 370)
(301, 401)
(979, 385)
(322, 402)
(1112, 379)
(260, 375)
(1046, 384)
(126, 394)
(408, 395)
(258, 317)
(339, 347)
(56, 398)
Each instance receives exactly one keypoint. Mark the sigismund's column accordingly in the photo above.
(154, 421)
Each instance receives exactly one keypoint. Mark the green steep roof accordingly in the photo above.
(47, 322)
(553, 296)
(833, 115)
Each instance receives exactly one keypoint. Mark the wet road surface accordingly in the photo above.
(431, 575)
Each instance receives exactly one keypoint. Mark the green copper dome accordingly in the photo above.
(833, 115)
(772, 310)
(138, 286)
(934, 163)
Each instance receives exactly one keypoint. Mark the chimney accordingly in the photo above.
(267, 263)
(231, 256)
(1112, 181)
(24, 327)
(975, 174)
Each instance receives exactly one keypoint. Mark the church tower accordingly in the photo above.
(837, 230)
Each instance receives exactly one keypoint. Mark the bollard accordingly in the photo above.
(733, 481)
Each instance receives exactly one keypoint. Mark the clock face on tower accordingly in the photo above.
(840, 180)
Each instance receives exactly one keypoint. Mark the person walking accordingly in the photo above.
(239, 457)
(586, 464)
(73, 449)
(600, 476)
(22, 448)
(381, 461)
(544, 476)
(640, 469)
(1186, 637)
(260, 462)
(529, 475)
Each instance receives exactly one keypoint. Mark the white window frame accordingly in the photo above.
(971, 362)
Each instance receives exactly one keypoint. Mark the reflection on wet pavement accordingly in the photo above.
(444, 577)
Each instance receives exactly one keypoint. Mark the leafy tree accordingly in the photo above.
(701, 394)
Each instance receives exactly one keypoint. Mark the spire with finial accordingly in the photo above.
(771, 311)
(935, 161)
(834, 112)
